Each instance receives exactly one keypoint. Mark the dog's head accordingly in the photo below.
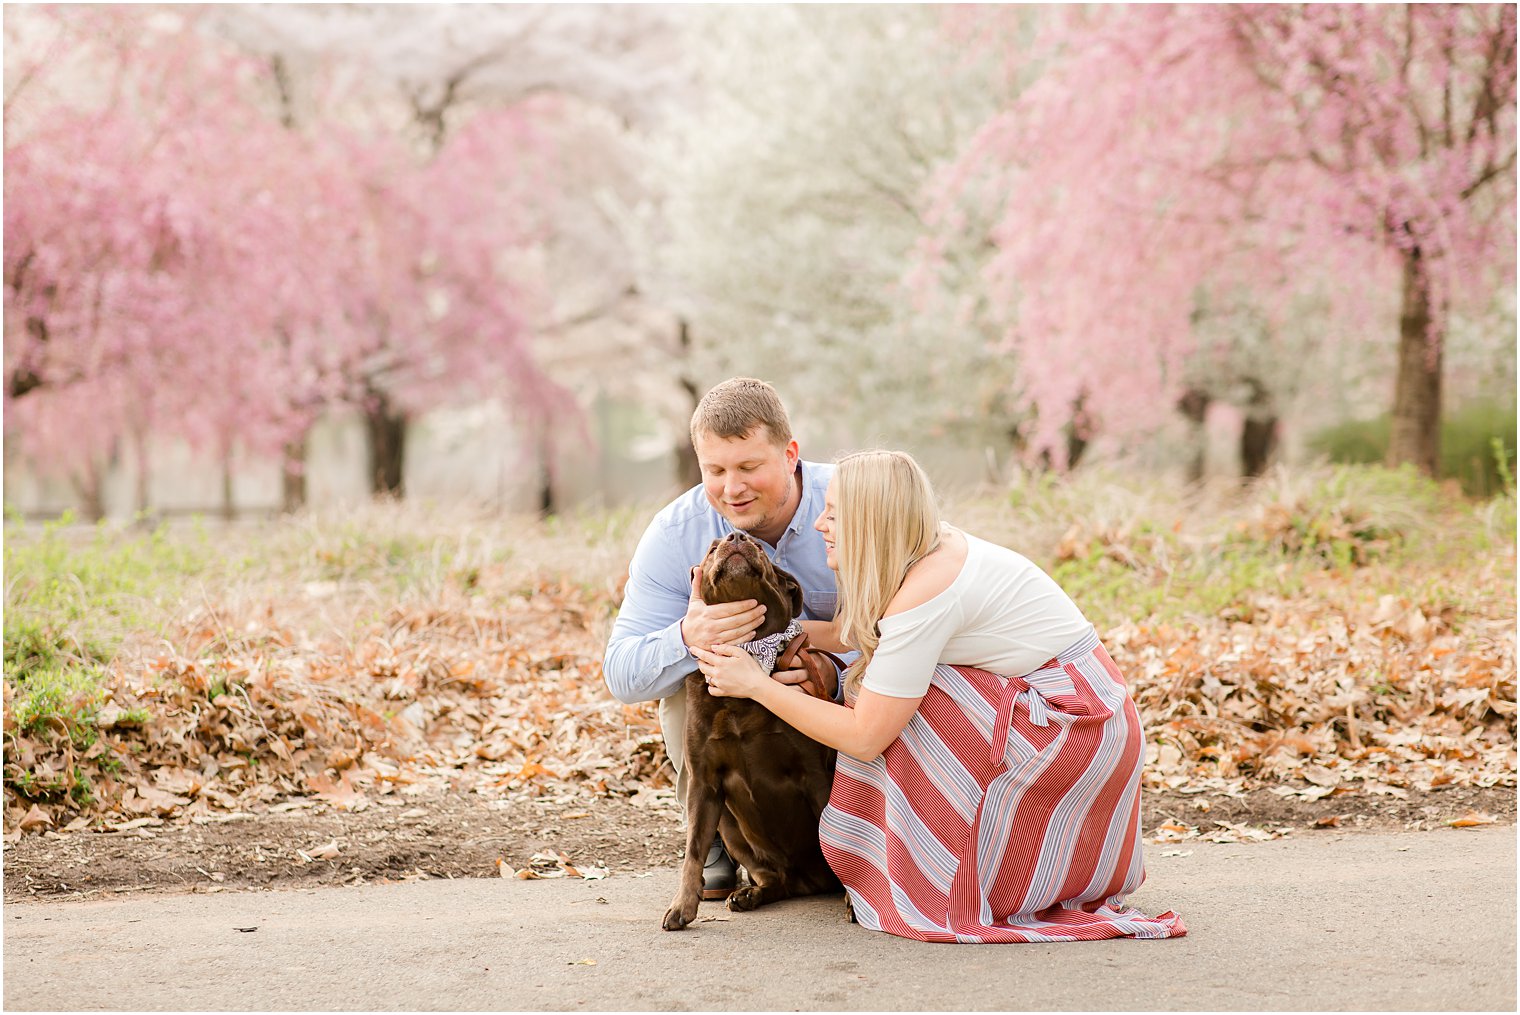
(737, 568)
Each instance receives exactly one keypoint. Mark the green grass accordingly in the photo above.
(353, 553)
(71, 594)
(1218, 583)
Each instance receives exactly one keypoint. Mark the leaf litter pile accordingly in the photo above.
(1293, 650)
(486, 690)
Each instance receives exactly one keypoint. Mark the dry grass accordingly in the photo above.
(1325, 631)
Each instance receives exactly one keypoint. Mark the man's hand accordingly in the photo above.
(797, 676)
(721, 624)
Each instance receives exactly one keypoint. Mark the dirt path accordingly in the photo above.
(1329, 921)
(464, 835)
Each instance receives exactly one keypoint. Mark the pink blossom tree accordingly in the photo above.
(144, 252)
(181, 259)
(486, 97)
(429, 308)
(1163, 151)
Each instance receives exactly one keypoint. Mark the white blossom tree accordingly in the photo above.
(794, 204)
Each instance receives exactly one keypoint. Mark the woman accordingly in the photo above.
(967, 806)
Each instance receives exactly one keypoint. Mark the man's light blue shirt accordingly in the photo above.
(646, 655)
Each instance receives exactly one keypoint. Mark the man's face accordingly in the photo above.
(749, 481)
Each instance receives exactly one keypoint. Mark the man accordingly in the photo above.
(752, 479)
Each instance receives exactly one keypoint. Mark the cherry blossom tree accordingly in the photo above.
(1367, 151)
(144, 253)
(502, 96)
(184, 257)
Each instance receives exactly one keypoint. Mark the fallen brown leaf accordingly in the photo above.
(340, 792)
(36, 817)
(326, 851)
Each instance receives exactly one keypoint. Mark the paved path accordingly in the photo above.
(1327, 921)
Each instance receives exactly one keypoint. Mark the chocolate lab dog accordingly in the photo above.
(754, 779)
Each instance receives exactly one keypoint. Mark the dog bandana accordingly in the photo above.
(765, 650)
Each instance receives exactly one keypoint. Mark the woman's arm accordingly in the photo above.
(862, 732)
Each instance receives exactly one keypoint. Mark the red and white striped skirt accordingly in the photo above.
(1008, 810)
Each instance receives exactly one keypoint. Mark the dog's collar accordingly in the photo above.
(765, 650)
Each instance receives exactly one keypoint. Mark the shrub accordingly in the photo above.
(1469, 452)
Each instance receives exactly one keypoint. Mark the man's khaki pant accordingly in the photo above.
(673, 728)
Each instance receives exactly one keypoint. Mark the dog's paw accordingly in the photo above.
(677, 918)
(745, 899)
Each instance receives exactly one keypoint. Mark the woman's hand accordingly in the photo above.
(731, 672)
(862, 732)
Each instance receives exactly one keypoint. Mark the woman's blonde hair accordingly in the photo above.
(886, 520)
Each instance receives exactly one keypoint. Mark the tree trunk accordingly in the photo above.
(90, 488)
(1077, 432)
(1416, 435)
(546, 500)
(1258, 434)
(387, 446)
(1194, 406)
(1258, 439)
(229, 504)
(293, 474)
(688, 469)
(141, 474)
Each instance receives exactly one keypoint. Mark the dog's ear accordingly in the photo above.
(791, 589)
(704, 582)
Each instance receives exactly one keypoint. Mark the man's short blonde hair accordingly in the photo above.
(732, 410)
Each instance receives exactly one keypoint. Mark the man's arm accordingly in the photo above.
(646, 656)
(824, 634)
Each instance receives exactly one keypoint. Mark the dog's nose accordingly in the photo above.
(734, 537)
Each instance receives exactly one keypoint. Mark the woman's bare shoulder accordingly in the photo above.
(932, 576)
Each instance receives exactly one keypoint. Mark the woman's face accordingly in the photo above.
(825, 525)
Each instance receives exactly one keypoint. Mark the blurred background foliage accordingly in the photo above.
(261, 258)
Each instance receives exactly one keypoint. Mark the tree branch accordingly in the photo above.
(593, 313)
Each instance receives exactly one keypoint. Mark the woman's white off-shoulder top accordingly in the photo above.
(1001, 613)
